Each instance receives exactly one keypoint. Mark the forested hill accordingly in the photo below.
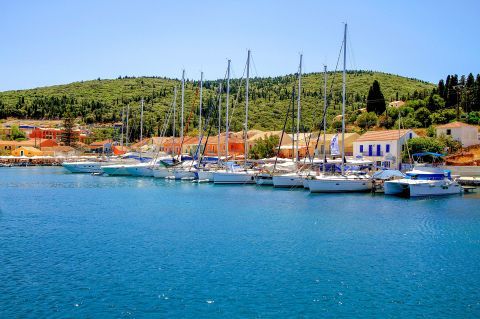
(101, 101)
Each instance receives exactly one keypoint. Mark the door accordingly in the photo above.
(379, 150)
(370, 150)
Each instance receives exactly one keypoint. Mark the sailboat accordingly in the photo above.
(122, 169)
(344, 182)
(293, 179)
(234, 173)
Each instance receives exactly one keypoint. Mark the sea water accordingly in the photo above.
(78, 246)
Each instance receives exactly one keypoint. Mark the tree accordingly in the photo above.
(367, 120)
(375, 99)
(17, 134)
(441, 88)
(422, 115)
(264, 147)
(68, 135)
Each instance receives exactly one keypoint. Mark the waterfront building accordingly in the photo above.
(464, 133)
(27, 151)
(384, 148)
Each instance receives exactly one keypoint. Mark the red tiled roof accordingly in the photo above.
(455, 124)
(386, 135)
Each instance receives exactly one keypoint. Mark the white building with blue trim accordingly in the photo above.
(384, 148)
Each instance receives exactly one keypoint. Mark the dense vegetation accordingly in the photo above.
(102, 101)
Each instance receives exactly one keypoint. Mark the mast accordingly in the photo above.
(183, 100)
(219, 118)
(141, 122)
(344, 95)
(324, 116)
(123, 123)
(226, 111)
(200, 113)
(246, 107)
(297, 154)
(127, 132)
(293, 123)
(174, 116)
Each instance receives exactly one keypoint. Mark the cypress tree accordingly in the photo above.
(441, 88)
(375, 99)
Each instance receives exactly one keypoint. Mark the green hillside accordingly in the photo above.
(101, 101)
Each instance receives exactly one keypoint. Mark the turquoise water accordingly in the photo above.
(116, 247)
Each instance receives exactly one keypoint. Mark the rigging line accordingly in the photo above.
(235, 102)
(283, 130)
(324, 117)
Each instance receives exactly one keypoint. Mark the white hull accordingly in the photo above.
(205, 175)
(141, 171)
(180, 173)
(418, 189)
(305, 183)
(83, 167)
(288, 181)
(234, 178)
(116, 170)
(264, 180)
(162, 172)
(339, 185)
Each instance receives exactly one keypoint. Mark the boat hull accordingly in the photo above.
(205, 175)
(140, 171)
(180, 173)
(84, 167)
(264, 180)
(339, 185)
(233, 178)
(115, 170)
(161, 172)
(434, 188)
(288, 181)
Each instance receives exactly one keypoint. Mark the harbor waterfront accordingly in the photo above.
(78, 245)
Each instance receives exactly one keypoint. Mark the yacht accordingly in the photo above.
(423, 181)
(339, 183)
(83, 167)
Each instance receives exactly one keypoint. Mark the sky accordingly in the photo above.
(57, 42)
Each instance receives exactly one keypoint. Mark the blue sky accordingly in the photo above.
(56, 42)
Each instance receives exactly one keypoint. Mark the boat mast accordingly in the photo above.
(183, 100)
(174, 117)
(126, 133)
(141, 121)
(324, 116)
(219, 118)
(200, 113)
(344, 95)
(246, 108)
(297, 154)
(123, 123)
(226, 111)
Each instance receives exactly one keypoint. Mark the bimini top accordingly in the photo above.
(427, 154)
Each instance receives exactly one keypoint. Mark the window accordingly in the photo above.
(387, 148)
(410, 135)
(449, 131)
(361, 148)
